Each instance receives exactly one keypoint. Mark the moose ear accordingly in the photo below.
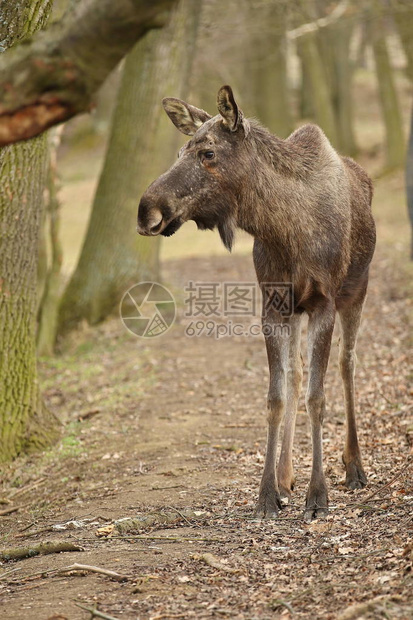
(228, 108)
(187, 118)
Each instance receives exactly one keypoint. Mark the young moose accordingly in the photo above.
(309, 211)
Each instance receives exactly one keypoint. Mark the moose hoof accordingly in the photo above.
(286, 486)
(285, 494)
(316, 506)
(268, 506)
(355, 476)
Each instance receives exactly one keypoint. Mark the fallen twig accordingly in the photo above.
(180, 514)
(30, 487)
(95, 613)
(93, 569)
(153, 537)
(275, 604)
(388, 484)
(19, 553)
(9, 511)
(9, 572)
(35, 532)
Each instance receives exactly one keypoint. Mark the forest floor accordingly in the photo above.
(171, 432)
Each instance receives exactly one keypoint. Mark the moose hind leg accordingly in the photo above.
(285, 469)
(320, 331)
(269, 500)
(350, 316)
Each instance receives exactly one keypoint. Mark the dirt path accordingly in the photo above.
(178, 425)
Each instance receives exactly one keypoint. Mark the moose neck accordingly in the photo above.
(268, 207)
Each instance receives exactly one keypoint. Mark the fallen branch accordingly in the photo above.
(35, 484)
(95, 613)
(54, 76)
(19, 553)
(93, 569)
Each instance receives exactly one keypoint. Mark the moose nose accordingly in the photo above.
(150, 223)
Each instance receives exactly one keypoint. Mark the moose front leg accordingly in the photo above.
(285, 470)
(269, 501)
(320, 331)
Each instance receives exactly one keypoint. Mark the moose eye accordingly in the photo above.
(209, 154)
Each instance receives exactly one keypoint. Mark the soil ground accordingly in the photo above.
(177, 424)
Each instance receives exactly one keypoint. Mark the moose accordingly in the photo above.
(309, 211)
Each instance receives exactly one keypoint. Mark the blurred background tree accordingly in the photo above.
(137, 142)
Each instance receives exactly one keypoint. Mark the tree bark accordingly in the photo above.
(141, 143)
(395, 143)
(54, 77)
(25, 424)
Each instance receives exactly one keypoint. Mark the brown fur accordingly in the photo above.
(309, 210)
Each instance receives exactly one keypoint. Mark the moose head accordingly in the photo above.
(204, 183)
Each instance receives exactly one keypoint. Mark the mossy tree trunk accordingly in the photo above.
(25, 423)
(395, 142)
(142, 144)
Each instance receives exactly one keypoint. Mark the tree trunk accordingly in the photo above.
(141, 143)
(25, 424)
(409, 183)
(306, 109)
(321, 98)
(340, 37)
(49, 302)
(267, 66)
(403, 17)
(334, 46)
(395, 143)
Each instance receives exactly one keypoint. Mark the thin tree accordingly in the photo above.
(315, 72)
(113, 257)
(402, 11)
(267, 65)
(409, 183)
(25, 423)
(395, 142)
